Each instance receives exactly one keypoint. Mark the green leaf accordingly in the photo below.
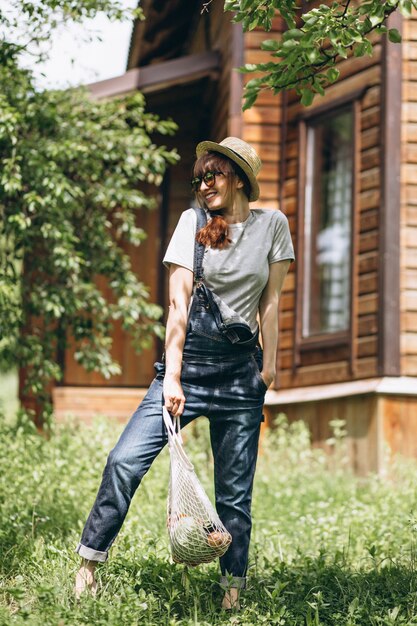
(254, 22)
(246, 4)
(250, 99)
(311, 21)
(406, 7)
(270, 44)
(293, 33)
(253, 84)
(239, 17)
(307, 97)
(355, 35)
(333, 74)
(367, 24)
(342, 52)
(363, 48)
(290, 43)
(394, 35)
(289, 18)
(359, 50)
(318, 84)
(313, 55)
(248, 67)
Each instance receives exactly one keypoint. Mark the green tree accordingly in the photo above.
(70, 179)
(305, 57)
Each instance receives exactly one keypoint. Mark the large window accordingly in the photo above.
(328, 224)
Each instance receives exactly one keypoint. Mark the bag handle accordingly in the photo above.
(172, 423)
(175, 438)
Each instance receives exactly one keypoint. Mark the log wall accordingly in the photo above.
(214, 32)
(356, 356)
(378, 426)
(408, 281)
(261, 124)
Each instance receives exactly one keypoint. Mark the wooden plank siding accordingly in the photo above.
(389, 218)
(263, 126)
(262, 123)
(378, 425)
(365, 349)
(408, 225)
(214, 30)
(361, 424)
(360, 80)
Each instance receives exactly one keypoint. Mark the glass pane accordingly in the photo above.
(328, 224)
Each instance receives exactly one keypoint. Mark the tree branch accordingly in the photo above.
(346, 8)
(332, 58)
(204, 8)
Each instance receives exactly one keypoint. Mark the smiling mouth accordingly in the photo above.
(210, 195)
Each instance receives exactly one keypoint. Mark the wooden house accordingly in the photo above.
(344, 171)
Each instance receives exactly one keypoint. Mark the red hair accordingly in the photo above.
(215, 233)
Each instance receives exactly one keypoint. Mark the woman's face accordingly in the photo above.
(217, 196)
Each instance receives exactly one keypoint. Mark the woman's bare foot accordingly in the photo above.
(85, 580)
(231, 600)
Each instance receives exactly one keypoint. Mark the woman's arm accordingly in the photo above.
(180, 290)
(268, 313)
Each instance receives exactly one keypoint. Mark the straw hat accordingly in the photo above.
(241, 153)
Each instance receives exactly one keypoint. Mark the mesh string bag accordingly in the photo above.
(196, 534)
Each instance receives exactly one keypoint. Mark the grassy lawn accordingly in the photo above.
(8, 393)
(328, 548)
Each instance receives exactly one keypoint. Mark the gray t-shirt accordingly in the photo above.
(238, 273)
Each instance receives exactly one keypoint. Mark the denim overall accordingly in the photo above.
(221, 380)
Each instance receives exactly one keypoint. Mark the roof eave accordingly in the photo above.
(160, 76)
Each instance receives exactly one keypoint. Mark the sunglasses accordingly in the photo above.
(209, 179)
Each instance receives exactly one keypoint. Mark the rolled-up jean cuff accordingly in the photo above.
(91, 555)
(236, 582)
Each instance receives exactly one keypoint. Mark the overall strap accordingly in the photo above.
(198, 247)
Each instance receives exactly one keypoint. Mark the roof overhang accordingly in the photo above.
(160, 76)
(165, 32)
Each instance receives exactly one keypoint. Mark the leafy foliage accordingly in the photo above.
(28, 23)
(306, 55)
(71, 170)
(327, 548)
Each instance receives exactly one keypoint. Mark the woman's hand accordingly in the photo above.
(174, 399)
(267, 377)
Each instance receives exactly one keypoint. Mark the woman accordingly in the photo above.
(234, 264)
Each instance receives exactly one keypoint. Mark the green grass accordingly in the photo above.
(8, 393)
(327, 548)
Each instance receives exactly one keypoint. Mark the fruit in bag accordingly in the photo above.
(188, 535)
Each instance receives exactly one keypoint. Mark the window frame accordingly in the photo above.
(343, 338)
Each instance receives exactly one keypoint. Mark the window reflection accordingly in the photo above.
(328, 212)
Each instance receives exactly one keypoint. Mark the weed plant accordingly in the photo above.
(327, 547)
